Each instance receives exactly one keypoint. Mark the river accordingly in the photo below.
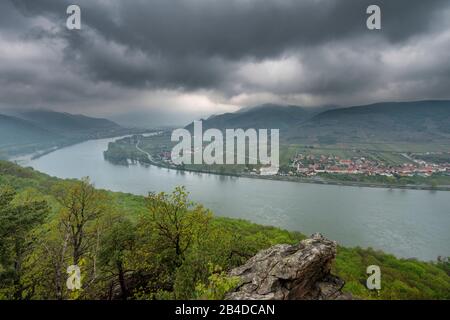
(407, 223)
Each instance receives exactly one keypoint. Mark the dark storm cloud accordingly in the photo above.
(301, 51)
(237, 28)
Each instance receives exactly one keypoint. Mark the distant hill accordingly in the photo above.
(260, 117)
(30, 131)
(420, 121)
(15, 131)
(68, 124)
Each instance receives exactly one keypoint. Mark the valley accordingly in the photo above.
(374, 146)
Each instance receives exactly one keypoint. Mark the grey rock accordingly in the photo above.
(290, 272)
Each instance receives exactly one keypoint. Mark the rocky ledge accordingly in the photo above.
(290, 272)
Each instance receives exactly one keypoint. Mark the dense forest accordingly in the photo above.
(162, 246)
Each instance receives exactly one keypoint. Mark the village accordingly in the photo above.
(311, 165)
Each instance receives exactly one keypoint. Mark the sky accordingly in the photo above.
(167, 62)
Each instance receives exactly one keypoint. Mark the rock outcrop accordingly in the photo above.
(286, 272)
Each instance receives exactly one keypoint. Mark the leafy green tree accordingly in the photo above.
(169, 234)
(218, 284)
(81, 208)
(19, 216)
(178, 221)
(116, 245)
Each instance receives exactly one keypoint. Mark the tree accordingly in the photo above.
(19, 216)
(81, 208)
(168, 235)
(219, 283)
(178, 221)
(116, 245)
(79, 232)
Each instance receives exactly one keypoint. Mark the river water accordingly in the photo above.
(407, 223)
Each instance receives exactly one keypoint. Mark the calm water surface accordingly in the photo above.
(408, 223)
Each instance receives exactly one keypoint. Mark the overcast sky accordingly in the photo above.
(169, 61)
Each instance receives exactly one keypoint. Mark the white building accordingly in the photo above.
(268, 171)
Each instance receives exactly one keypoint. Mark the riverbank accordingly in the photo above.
(154, 152)
(151, 161)
(24, 158)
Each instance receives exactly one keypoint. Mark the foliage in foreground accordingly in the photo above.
(159, 247)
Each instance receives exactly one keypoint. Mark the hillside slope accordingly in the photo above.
(420, 121)
(413, 122)
(68, 124)
(17, 134)
(266, 116)
(30, 131)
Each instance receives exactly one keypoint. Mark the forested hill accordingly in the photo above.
(18, 131)
(158, 247)
(261, 117)
(18, 135)
(419, 121)
(26, 132)
(69, 124)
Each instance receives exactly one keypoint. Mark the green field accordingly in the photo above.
(120, 151)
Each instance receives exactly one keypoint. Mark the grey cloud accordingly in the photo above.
(191, 45)
(236, 28)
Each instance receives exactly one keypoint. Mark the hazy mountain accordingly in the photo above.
(29, 131)
(15, 131)
(419, 121)
(18, 135)
(67, 124)
(414, 122)
(260, 117)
